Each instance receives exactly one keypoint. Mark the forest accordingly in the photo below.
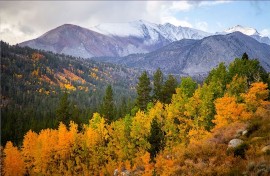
(217, 127)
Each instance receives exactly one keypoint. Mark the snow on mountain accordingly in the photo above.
(245, 30)
(248, 31)
(150, 31)
(121, 39)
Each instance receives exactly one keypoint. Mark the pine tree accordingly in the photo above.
(169, 89)
(158, 84)
(245, 56)
(156, 138)
(107, 107)
(63, 111)
(143, 91)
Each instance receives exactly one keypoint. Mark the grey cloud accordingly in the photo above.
(37, 17)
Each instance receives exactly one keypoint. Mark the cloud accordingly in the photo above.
(25, 20)
(265, 32)
(202, 25)
(176, 22)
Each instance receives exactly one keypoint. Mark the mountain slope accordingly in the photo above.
(195, 57)
(119, 39)
(76, 41)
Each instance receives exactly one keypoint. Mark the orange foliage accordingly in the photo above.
(13, 161)
(256, 96)
(229, 111)
(37, 56)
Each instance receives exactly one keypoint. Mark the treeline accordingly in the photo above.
(186, 136)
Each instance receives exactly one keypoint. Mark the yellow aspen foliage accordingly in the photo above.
(256, 96)
(140, 130)
(143, 161)
(119, 141)
(13, 161)
(99, 125)
(177, 107)
(165, 165)
(157, 111)
(66, 139)
(28, 150)
(229, 111)
(90, 136)
(197, 135)
(237, 86)
(45, 148)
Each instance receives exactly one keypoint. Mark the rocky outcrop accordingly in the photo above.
(234, 143)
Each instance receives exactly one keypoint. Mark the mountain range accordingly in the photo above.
(197, 57)
(114, 39)
(177, 50)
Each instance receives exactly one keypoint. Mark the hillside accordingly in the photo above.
(197, 57)
(33, 81)
(219, 127)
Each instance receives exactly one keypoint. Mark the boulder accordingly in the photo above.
(245, 132)
(115, 173)
(266, 149)
(125, 173)
(235, 143)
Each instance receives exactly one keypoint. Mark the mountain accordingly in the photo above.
(111, 39)
(76, 41)
(149, 31)
(250, 32)
(198, 57)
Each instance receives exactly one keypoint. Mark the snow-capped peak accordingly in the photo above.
(151, 31)
(245, 30)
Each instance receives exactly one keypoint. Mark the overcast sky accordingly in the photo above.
(25, 20)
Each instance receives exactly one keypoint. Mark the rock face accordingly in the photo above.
(235, 143)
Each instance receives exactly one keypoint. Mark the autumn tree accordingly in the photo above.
(237, 86)
(229, 111)
(188, 86)
(256, 96)
(13, 161)
(143, 91)
(249, 68)
(218, 79)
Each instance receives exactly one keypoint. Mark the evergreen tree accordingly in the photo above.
(245, 56)
(63, 111)
(169, 89)
(158, 84)
(156, 138)
(143, 91)
(107, 107)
